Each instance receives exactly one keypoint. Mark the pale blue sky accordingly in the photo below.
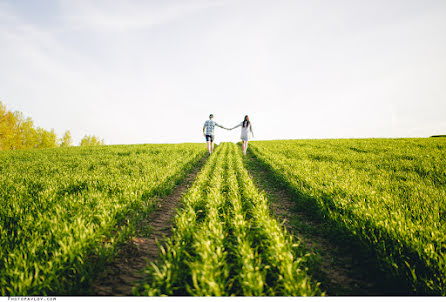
(152, 71)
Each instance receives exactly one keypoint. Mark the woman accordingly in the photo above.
(247, 133)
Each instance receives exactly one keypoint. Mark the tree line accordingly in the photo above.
(19, 132)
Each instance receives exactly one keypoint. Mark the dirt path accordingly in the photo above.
(123, 273)
(343, 271)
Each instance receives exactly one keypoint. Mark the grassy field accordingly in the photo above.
(225, 241)
(388, 194)
(64, 210)
(64, 213)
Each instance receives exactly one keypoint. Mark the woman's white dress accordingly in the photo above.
(247, 133)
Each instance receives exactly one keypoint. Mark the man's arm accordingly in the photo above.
(221, 126)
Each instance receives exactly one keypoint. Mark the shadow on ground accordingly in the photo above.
(347, 267)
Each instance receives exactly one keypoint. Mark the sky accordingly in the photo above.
(147, 71)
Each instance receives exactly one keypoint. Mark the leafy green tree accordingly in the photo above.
(18, 132)
(7, 128)
(28, 135)
(91, 141)
(47, 139)
(24, 136)
(66, 140)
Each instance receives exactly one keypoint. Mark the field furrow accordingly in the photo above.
(370, 207)
(63, 211)
(387, 195)
(119, 277)
(225, 242)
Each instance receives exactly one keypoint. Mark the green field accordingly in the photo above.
(225, 241)
(387, 193)
(59, 207)
(64, 213)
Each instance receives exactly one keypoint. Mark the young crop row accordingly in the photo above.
(387, 193)
(225, 241)
(61, 209)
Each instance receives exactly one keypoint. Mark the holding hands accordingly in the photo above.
(246, 133)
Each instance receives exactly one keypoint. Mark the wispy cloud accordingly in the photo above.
(121, 15)
(39, 75)
(305, 69)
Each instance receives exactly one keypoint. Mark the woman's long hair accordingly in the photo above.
(246, 122)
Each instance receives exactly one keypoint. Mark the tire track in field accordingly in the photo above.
(342, 272)
(123, 273)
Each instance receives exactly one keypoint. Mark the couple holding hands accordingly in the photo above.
(208, 132)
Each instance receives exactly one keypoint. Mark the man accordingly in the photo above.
(208, 132)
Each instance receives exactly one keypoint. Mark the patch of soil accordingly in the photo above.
(336, 266)
(340, 272)
(121, 275)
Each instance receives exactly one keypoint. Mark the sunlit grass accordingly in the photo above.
(387, 193)
(63, 211)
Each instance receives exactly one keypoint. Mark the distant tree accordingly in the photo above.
(7, 128)
(24, 135)
(66, 140)
(91, 141)
(28, 135)
(18, 132)
(47, 139)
